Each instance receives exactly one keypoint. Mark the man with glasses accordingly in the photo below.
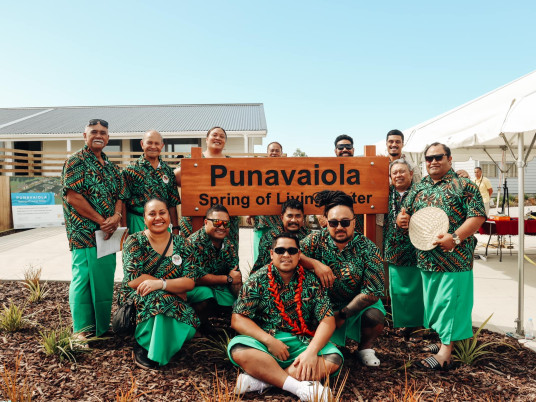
(212, 255)
(446, 270)
(284, 321)
(293, 221)
(92, 193)
(149, 177)
(352, 271)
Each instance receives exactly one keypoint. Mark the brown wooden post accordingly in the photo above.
(31, 167)
(197, 221)
(370, 219)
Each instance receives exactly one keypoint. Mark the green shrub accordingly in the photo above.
(63, 343)
(12, 318)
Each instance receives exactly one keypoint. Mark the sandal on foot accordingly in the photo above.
(432, 348)
(431, 363)
(368, 357)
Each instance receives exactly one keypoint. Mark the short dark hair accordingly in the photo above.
(216, 208)
(286, 235)
(329, 199)
(154, 199)
(395, 132)
(291, 203)
(435, 144)
(274, 142)
(344, 137)
(478, 167)
(214, 128)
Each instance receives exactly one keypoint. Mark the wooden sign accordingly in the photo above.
(258, 186)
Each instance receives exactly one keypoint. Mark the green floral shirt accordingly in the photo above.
(265, 245)
(143, 182)
(460, 199)
(398, 249)
(267, 222)
(100, 185)
(186, 228)
(140, 258)
(359, 223)
(358, 268)
(203, 258)
(256, 303)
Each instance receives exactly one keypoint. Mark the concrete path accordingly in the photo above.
(495, 282)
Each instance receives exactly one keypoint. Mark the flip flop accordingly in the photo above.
(432, 364)
(432, 348)
(368, 357)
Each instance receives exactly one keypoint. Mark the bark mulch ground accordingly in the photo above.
(97, 375)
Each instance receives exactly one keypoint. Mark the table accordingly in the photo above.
(502, 228)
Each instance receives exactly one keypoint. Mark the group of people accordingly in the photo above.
(307, 292)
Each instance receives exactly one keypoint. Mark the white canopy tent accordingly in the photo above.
(501, 121)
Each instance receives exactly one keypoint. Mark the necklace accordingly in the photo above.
(300, 329)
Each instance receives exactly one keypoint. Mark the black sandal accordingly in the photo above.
(432, 348)
(432, 364)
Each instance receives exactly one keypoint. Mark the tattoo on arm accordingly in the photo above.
(359, 303)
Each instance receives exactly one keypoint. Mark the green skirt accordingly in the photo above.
(257, 234)
(448, 303)
(91, 290)
(135, 223)
(222, 294)
(352, 326)
(405, 287)
(163, 337)
(295, 347)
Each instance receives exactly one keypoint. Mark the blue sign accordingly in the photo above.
(20, 199)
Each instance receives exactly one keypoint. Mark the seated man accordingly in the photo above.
(292, 217)
(212, 256)
(351, 267)
(285, 320)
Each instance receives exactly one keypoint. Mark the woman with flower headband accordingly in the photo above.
(285, 320)
(156, 278)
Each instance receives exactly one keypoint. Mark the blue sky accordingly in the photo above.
(321, 68)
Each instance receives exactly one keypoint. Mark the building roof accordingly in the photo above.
(64, 122)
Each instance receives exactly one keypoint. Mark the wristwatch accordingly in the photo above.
(456, 239)
(229, 279)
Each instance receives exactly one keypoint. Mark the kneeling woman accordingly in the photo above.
(155, 278)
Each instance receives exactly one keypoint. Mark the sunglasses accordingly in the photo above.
(340, 147)
(437, 157)
(333, 223)
(283, 250)
(94, 122)
(220, 222)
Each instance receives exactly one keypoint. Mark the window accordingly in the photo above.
(489, 169)
(113, 146)
(512, 169)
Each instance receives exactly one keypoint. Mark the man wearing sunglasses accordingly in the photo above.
(149, 177)
(92, 193)
(212, 255)
(293, 221)
(446, 270)
(351, 267)
(284, 320)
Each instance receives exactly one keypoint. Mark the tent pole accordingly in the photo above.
(521, 231)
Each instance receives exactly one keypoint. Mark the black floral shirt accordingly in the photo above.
(100, 185)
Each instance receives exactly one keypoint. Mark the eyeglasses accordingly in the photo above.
(340, 147)
(220, 222)
(437, 157)
(333, 223)
(94, 122)
(283, 250)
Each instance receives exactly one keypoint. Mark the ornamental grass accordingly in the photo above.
(32, 282)
(12, 318)
(11, 387)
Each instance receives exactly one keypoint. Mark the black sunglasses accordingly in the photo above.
(283, 250)
(220, 222)
(344, 146)
(94, 122)
(437, 157)
(333, 223)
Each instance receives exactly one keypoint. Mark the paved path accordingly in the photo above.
(495, 282)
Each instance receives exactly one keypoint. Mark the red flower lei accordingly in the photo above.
(300, 329)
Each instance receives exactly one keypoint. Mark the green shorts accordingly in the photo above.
(295, 347)
(405, 288)
(448, 303)
(352, 326)
(222, 295)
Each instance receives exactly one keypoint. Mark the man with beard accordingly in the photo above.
(284, 320)
(92, 193)
(149, 177)
(293, 221)
(447, 270)
(352, 271)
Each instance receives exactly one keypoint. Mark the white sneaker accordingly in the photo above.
(368, 357)
(313, 391)
(246, 383)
